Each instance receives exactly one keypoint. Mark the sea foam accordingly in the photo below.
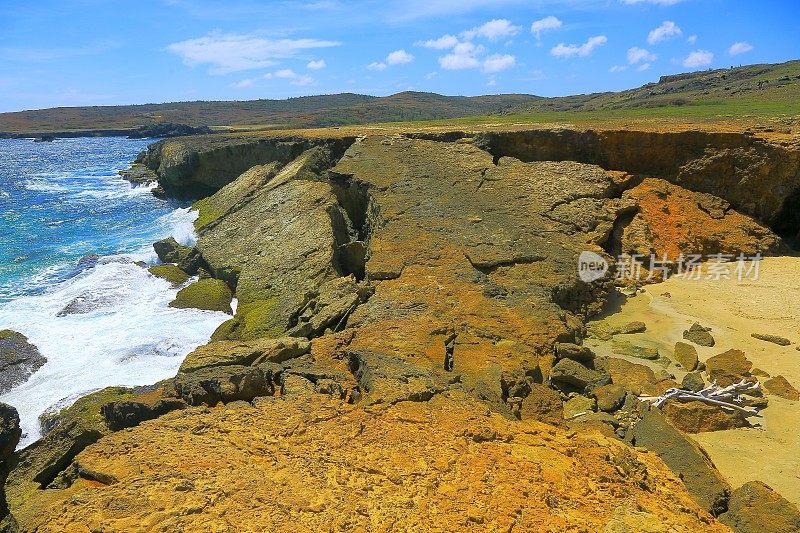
(124, 332)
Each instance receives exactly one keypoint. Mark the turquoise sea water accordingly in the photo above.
(59, 202)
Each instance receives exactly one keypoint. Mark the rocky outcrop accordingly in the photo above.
(19, 359)
(758, 177)
(198, 166)
(314, 463)
(10, 434)
(672, 221)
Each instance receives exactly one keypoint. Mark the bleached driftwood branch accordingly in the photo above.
(728, 398)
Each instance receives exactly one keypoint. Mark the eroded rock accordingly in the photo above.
(19, 359)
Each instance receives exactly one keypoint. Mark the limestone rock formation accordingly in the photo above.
(313, 463)
(208, 294)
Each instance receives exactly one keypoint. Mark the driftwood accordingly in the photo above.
(727, 398)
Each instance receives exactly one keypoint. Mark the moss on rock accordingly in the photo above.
(253, 320)
(169, 272)
(208, 294)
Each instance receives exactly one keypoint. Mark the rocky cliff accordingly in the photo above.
(407, 346)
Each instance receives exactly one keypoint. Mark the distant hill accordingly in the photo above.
(758, 88)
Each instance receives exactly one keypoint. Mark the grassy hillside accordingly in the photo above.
(757, 90)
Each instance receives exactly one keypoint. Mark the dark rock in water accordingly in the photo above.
(191, 262)
(699, 335)
(45, 139)
(10, 434)
(780, 387)
(693, 381)
(704, 483)
(19, 359)
(138, 174)
(88, 261)
(169, 251)
(699, 417)
(775, 339)
(167, 129)
(728, 367)
(86, 303)
(756, 508)
(207, 294)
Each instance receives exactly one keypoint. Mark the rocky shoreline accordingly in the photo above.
(422, 286)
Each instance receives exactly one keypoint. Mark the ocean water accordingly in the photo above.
(62, 201)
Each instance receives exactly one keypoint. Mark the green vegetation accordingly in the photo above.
(758, 90)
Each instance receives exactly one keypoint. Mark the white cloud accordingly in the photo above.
(667, 30)
(399, 57)
(226, 53)
(637, 55)
(657, 2)
(492, 82)
(316, 65)
(492, 30)
(244, 84)
(293, 77)
(691, 39)
(463, 56)
(698, 58)
(572, 50)
(740, 48)
(618, 68)
(643, 67)
(376, 66)
(431, 75)
(498, 63)
(442, 43)
(543, 25)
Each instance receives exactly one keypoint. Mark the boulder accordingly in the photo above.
(631, 376)
(207, 294)
(572, 374)
(19, 359)
(169, 251)
(698, 417)
(631, 327)
(685, 355)
(756, 508)
(775, 339)
(728, 367)
(699, 335)
(780, 386)
(623, 347)
(693, 381)
(222, 353)
(578, 405)
(568, 350)
(689, 462)
(169, 272)
(609, 397)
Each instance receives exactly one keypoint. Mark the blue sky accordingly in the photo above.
(92, 52)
